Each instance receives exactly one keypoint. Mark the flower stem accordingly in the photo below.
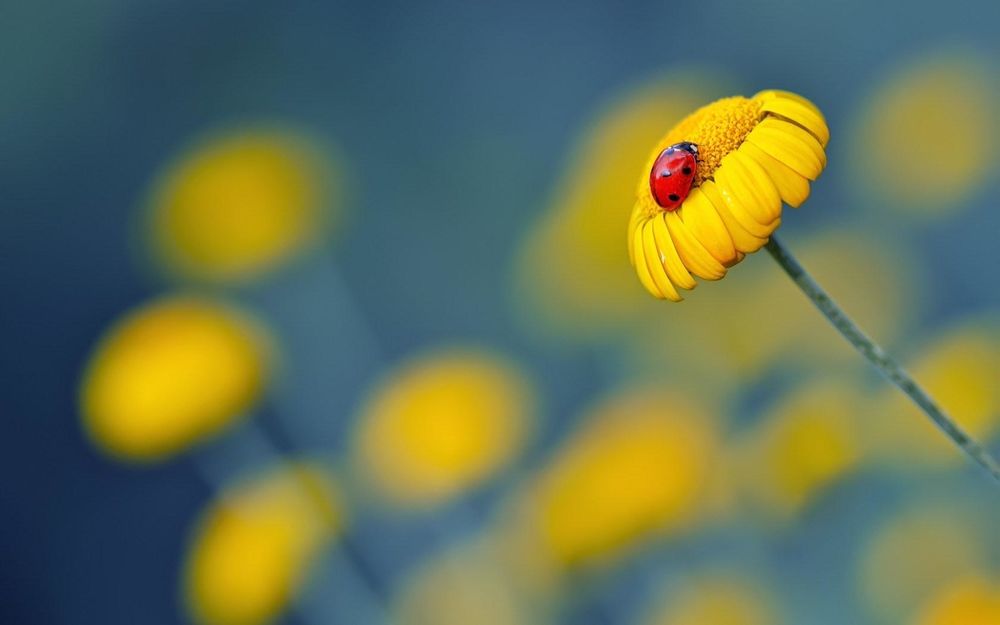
(886, 365)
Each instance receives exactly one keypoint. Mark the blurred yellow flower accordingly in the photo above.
(718, 599)
(639, 466)
(169, 374)
(928, 136)
(802, 446)
(252, 550)
(570, 269)
(238, 204)
(917, 553)
(754, 153)
(959, 369)
(462, 587)
(441, 423)
(967, 601)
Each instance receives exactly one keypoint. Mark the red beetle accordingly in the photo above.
(673, 173)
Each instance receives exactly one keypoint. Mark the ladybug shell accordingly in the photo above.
(672, 175)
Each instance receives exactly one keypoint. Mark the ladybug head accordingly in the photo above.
(687, 146)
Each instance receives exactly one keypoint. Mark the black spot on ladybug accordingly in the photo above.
(674, 197)
(686, 171)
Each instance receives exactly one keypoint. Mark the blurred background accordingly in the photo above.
(321, 313)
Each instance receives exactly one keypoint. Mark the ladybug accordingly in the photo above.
(673, 173)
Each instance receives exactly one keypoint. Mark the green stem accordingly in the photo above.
(886, 365)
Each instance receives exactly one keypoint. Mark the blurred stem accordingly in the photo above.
(886, 365)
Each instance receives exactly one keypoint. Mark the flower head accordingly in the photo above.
(241, 203)
(174, 372)
(254, 548)
(754, 153)
(806, 443)
(442, 423)
(638, 469)
(950, 94)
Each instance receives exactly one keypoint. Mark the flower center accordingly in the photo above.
(717, 129)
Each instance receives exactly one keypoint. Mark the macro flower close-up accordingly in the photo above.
(341, 313)
(753, 154)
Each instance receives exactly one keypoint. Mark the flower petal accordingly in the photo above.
(657, 270)
(791, 145)
(634, 222)
(777, 94)
(693, 254)
(743, 240)
(743, 181)
(641, 269)
(805, 116)
(793, 188)
(799, 132)
(734, 203)
(701, 218)
(672, 263)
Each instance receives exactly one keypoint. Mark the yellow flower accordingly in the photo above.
(807, 442)
(252, 550)
(173, 372)
(442, 423)
(639, 467)
(239, 204)
(927, 138)
(755, 153)
(917, 553)
(718, 599)
(973, 600)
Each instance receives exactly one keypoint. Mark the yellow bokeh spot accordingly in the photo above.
(927, 138)
(639, 466)
(803, 445)
(968, 601)
(242, 203)
(572, 273)
(464, 586)
(917, 553)
(959, 370)
(252, 549)
(726, 599)
(442, 423)
(175, 371)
